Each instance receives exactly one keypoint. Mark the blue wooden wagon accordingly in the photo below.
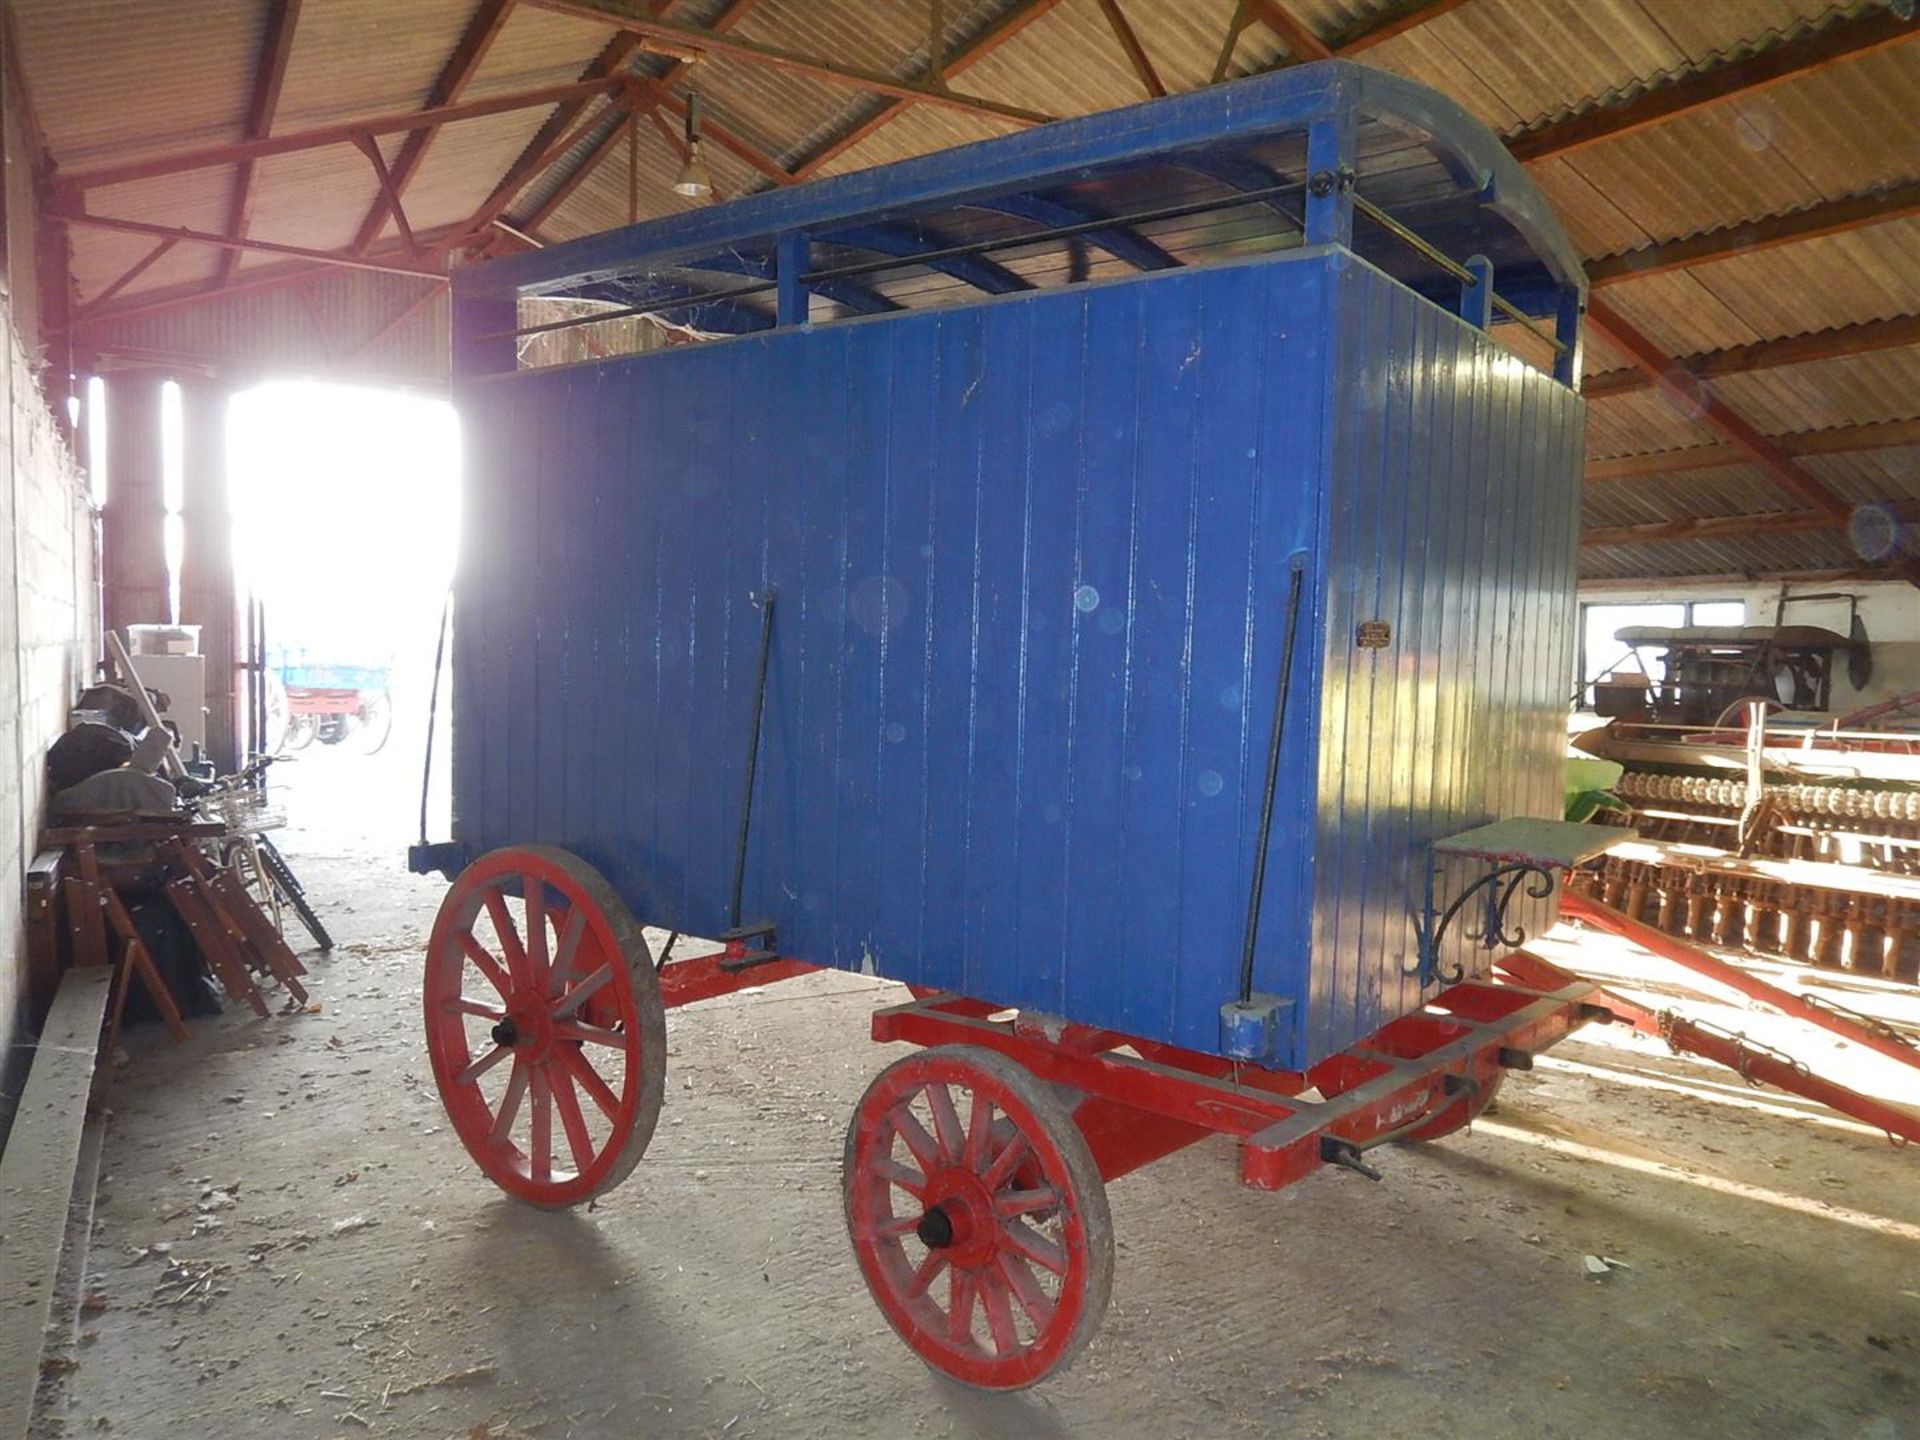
(1110, 579)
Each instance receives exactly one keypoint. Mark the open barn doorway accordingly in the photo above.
(346, 517)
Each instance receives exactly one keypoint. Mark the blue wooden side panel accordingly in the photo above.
(1029, 560)
(1452, 517)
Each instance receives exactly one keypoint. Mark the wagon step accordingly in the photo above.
(739, 957)
(748, 960)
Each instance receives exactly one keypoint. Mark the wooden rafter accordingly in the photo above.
(412, 308)
(562, 192)
(132, 273)
(263, 247)
(1837, 343)
(269, 75)
(617, 52)
(610, 64)
(686, 41)
(489, 19)
(1843, 40)
(1300, 40)
(1812, 222)
(1711, 410)
(982, 45)
(344, 133)
(504, 194)
(1728, 527)
(389, 191)
(1378, 29)
(1836, 440)
(277, 277)
(1136, 52)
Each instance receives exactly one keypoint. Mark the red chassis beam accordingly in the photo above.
(1142, 1105)
(703, 977)
(1755, 1063)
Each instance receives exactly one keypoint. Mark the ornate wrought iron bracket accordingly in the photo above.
(1497, 889)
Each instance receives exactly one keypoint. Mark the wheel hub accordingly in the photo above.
(527, 1026)
(960, 1220)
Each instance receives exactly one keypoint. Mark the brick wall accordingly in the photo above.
(47, 625)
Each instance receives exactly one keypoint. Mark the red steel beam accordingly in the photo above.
(343, 133)
(1843, 40)
(686, 41)
(1752, 1063)
(268, 78)
(1300, 40)
(1834, 344)
(1136, 52)
(1712, 411)
(1833, 217)
(265, 247)
(465, 61)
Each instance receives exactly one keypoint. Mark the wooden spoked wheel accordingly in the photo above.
(1459, 1112)
(978, 1216)
(545, 1026)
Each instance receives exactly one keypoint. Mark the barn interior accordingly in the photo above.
(272, 269)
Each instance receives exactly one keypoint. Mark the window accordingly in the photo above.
(1600, 653)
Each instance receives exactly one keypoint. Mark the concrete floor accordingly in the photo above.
(290, 1243)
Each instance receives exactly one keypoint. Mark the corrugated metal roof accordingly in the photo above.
(113, 81)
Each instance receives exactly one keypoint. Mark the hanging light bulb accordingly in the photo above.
(694, 182)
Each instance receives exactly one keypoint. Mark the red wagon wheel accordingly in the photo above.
(978, 1216)
(1457, 1114)
(542, 1004)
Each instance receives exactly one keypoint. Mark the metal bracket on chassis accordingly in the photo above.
(1140, 1099)
(723, 972)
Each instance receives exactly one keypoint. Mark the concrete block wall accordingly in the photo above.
(48, 626)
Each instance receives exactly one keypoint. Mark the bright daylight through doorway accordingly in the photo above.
(346, 517)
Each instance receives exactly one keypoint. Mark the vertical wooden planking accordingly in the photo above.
(953, 446)
(1221, 798)
(908, 355)
(1106, 482)
(871, 615)
(1055, 429)
(1153, 766)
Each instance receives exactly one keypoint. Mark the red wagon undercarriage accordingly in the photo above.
(975, 1169)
